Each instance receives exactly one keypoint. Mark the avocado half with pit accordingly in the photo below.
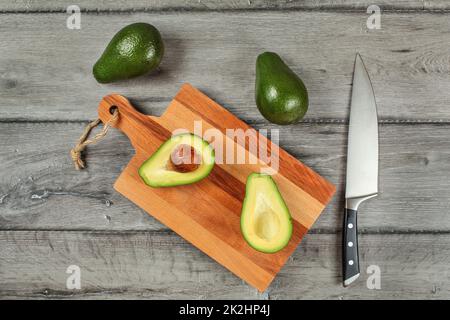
(265, 219)
(182, 159)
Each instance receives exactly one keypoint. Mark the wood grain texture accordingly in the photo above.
(46, 69)
(155, 5)
(205, 213)
(40, 188)
(45, 75)
(161, 265)
(215, 116)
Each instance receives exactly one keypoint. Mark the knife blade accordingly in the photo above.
(362, 164)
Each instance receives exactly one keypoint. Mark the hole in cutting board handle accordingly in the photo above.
(112, 109)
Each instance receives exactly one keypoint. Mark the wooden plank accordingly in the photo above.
(156, 5)
(41, 189)
(46, 69)
(162, 265)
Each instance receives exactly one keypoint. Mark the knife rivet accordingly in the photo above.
(350, 244)
(350, 262)
(350, 225)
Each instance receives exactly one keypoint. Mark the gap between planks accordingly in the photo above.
(250, 122)
(325, 231)
(336, 9)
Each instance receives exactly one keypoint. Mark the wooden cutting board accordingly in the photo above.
(207, 213)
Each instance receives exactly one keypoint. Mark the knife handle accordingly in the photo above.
(350, 258)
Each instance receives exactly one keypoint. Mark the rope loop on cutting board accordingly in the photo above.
(83, 141)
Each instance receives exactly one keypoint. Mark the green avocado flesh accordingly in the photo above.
(135, 50)
(157, 172)
(280, 94)
(265, 219)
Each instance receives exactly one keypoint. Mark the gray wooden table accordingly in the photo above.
(52, 216)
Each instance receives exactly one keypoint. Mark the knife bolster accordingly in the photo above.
(353, 203)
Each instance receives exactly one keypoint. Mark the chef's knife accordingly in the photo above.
(362, 164)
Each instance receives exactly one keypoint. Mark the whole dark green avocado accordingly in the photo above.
(135, 50)
(280, 94)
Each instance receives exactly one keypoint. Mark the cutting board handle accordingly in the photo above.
(131, 122)
(111, 102)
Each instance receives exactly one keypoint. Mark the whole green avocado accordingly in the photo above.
(135, 50)
(280, 94)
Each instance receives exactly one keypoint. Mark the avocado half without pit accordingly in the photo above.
(265, 220)
(182, 159)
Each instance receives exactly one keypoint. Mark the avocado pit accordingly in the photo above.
(184, 159)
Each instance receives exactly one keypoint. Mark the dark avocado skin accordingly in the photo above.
(280, 94)
(135, 50)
